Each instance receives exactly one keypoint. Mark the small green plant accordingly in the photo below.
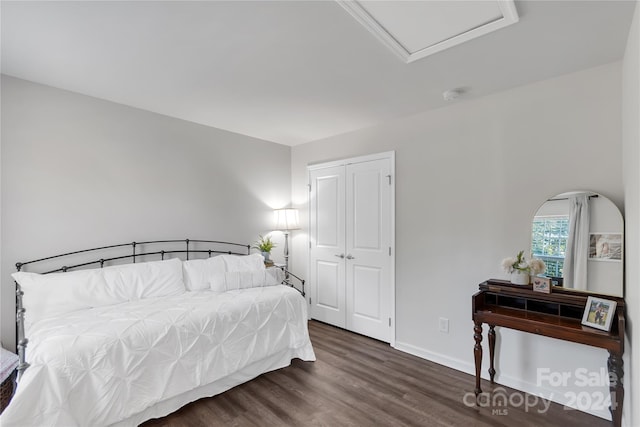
(264, 244)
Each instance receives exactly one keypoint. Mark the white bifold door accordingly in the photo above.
(350, 246)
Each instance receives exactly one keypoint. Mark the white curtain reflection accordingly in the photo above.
(575, 263)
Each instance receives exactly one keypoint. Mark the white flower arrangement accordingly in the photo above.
(534, 266)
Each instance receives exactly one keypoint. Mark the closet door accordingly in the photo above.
(368, 248)
(350, 251)
(327, 248)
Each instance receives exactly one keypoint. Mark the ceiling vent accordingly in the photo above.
(416, 29)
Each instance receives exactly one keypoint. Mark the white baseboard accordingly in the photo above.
(505, 380)
(457, 364)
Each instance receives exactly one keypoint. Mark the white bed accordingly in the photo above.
(126, 362)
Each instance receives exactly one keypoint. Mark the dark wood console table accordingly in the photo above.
(556, 315)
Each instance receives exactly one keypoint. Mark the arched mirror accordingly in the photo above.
(579, 236)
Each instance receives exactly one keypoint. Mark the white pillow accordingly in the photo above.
(197, 272)
(234, 280)
(244, 262)
(47, 295)
(145, 279)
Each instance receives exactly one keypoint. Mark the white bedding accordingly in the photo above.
(107, 364)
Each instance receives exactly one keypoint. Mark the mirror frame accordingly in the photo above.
(603, 270)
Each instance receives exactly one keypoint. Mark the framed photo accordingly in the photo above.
(541, 284)
(605, 246)
(557, 281)
(598, 313)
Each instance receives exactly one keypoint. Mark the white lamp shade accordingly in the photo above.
(286, 219)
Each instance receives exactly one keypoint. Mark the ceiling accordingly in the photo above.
(415, 29)
(288, 71)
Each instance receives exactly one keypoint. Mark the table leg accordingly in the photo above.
(492, 348)
(477, 353)
(616, 389)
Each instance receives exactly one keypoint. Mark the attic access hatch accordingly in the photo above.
(416, 29)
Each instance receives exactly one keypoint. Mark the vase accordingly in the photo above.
(266, 256)
(520, 277)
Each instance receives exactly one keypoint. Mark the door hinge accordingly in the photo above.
(309, 244)
(389, 321)
(309, 186)
(389, 250)
(389, 178)
(309, 300)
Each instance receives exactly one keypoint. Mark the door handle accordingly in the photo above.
(340, 256)
(350, 257)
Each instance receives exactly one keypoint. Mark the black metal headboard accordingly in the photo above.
(133, 251)
(191, 247)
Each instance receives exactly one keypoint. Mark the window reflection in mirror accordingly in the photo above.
(550, 241)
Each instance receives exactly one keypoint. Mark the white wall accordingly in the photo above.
(469, 179)
(631, 155)
(9, 309)
(79, 172)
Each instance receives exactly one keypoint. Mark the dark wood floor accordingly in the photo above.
(357, 381)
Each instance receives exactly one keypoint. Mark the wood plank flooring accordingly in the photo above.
(357, 381)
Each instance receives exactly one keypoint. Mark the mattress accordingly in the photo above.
(128, 362)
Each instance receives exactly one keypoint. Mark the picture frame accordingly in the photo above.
(599, 313)
(541, 284)
(557, 281)
(605, 247)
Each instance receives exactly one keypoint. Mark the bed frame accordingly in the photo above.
(112, 255)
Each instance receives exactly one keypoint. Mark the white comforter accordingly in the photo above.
(99, 366)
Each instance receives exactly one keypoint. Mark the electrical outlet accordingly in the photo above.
(443, 324)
